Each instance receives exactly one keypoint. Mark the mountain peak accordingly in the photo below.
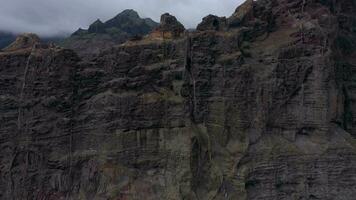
(98, 21)
(97, 27)
(129, 13)
(117, 30)
(130, 22)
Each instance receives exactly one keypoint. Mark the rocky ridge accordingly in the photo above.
(101, 35)
(255, 106)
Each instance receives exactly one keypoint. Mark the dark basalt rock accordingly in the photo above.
(130, 22)
(242, 13)
(96, 27)
(262, 110)
(212, 22)
(170, 25)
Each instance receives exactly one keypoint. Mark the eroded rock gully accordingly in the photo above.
(256, 106)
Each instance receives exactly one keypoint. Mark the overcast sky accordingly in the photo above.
(56, 17)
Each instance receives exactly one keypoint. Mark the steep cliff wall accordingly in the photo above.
(256, 106)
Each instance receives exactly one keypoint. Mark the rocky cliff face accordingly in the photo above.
(256, 106)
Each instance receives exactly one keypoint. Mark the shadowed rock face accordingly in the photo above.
(169, 27)
(97, 27)
(263, 109)
(212, 22)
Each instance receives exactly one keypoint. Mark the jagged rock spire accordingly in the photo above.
(169, 27)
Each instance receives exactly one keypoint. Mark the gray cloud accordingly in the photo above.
(57, 17)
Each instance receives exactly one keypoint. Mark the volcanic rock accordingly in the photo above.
(97, 27)
(243, 12)
(212, 22)
(169, 27)
(262, 110)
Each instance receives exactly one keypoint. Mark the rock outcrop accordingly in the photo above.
(169, 28)
(24, 41)
(262, 109)
(214, 23)
(243, 12)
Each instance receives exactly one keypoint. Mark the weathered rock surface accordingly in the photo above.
(263, 109)
(214, 23)
(169, 28)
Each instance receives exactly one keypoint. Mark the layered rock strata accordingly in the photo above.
(260, 109)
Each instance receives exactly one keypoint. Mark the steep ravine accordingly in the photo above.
(259, 105)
